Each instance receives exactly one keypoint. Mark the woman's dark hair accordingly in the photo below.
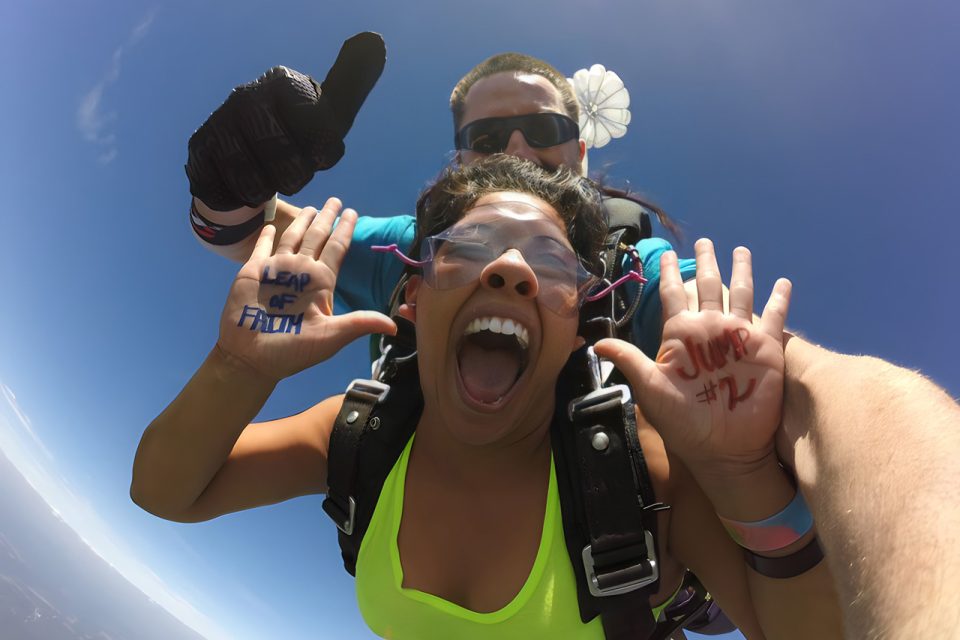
(575, 198)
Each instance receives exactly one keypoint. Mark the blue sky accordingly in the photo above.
(822, 135)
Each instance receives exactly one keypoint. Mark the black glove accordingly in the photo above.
(274, 133)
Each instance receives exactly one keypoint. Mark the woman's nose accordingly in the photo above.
(511, 272)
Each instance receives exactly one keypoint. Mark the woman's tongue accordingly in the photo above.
(488, 371)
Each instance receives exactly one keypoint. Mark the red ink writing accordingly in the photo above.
(709, 393)
(732, 398)
(715, 355)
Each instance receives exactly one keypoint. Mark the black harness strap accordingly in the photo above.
(609, 530)
(374, 424)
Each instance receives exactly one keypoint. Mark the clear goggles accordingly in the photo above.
(457, 256)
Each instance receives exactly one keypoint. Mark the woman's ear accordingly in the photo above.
(408, 309)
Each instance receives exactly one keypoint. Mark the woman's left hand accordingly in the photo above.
(715, 392)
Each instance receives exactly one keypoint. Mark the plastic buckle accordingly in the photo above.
(344, 519)
(367, 388)
(619, 393)
(626, 586)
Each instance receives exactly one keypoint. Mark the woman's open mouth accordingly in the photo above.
(492, 356)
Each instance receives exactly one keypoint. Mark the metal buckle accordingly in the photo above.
(369, 388)
(344, 520)
(626, 587)
(597, 398)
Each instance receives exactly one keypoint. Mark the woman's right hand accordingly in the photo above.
(278, 319)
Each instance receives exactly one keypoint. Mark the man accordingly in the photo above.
(844, 416)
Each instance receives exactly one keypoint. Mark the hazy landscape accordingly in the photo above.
(54, 587)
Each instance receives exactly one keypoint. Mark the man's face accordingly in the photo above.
(510, 94)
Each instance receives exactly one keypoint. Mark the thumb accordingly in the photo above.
(348, 327)
(357, 68)
(639, 369)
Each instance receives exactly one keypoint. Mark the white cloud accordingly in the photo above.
(36, 464)
(94, 118)
(24, 421)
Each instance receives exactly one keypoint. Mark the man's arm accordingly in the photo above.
(876, 449)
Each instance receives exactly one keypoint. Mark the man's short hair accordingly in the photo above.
(515, 63)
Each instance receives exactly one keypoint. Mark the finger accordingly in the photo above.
(709, 283)
(290, 240)
(336, 248)
(357, 68)
(672, 294)
(319, 230)
(348, 327)
(264, 247)
(774, 316)
(741, 284)
(633, 363)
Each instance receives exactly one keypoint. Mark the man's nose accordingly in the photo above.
(512, 273)
(517, 145)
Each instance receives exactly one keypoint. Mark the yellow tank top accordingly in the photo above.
(545, 607)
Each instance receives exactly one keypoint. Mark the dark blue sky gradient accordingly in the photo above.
(822, 135)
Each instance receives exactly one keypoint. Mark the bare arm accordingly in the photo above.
(715, 395)
(200, 458)
(876, 448)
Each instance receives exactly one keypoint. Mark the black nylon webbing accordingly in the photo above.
(602, 499)
(363, 451)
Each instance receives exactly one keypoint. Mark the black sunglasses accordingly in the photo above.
(491, 135)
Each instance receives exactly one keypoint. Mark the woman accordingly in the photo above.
(465, 540)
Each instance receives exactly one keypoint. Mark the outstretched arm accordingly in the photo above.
(876, 449)
(199, 458)
(714, 394)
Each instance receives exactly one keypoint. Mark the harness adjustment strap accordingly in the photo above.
(634, 569)
(360, 399)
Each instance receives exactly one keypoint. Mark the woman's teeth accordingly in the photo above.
(505, 326)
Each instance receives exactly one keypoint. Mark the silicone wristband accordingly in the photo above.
(776, 532)
(790, 566)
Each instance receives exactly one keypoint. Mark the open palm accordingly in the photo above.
(278, 318)
(715, 392)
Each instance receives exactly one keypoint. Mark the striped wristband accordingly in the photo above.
(222, 234)
(776, 532)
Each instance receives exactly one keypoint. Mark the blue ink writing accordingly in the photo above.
(282, 300)
(286, 279)
(265, 322)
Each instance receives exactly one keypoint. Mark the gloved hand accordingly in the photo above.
(271, 135)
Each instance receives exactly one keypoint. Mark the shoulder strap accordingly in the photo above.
(375, 423)
(627, 223)
(606, 496)
(629, 216)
